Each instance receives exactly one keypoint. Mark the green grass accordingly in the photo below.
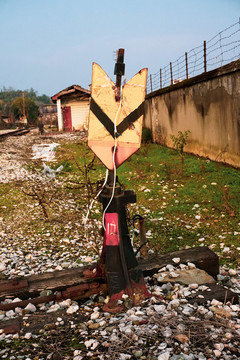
(180, 209)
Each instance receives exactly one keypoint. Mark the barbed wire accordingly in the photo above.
(216, 52)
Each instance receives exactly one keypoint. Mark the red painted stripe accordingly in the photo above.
(111, 235)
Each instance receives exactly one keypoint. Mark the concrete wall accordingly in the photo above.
(207, 105)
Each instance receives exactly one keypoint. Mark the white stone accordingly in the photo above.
(159, 308)
(28, 335)
(53, 308)
(10, 313)
(18, 310)
(89, 343)
(31, 307)
(195, 206)
(182, 266)
(157, 290)
(219, 347)
(162, 346)
(95, 315)
(59, 267)
(176, 260)
(202, 310)
(226, 249)
(160, 278)
(164, 356)
(187, 310)
(124, 356)
(149, 311)
(217, 353)
(2, 267)
(88, 259)
(76, 352)
(232, 272)
(128, 331)
(193, 286)
(65, 303)
(203, 288)
(16, 300)
(133, 318)
(215, 302)
(138, 353)
(174, 304)
(209, 315)
(167, 332)
(172, 274)
(102, 323)
(191, 265)
(94, 345)
(186, 293)
(65, 264)
(72, 309)
(139, 313)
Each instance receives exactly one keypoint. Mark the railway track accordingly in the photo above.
(13, 132)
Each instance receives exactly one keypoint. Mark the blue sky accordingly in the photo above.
(50, 44)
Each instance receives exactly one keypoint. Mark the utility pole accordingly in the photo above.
(24, 112)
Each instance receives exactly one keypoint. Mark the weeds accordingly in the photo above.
(226, 199)
(179, 141)
(201, 207)
(90, 189)
(41, 191)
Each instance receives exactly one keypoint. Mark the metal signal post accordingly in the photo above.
(119, 71)
(121, 267)
(114, 135)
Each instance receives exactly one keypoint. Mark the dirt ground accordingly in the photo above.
(164, 326)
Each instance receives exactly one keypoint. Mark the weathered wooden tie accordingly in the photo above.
(72, 283)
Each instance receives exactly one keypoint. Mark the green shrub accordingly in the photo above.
(146, 135)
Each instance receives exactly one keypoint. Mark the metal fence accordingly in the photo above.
(222, 49)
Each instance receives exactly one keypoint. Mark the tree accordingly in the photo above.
(27, 107)
(9, 94)
(44, 99)
(32, 94)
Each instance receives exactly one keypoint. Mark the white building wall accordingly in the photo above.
(60, 118)
(80, 114)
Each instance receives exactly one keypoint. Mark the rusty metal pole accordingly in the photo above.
(205, 55)
(186, 59)
(151, 82)
(171, 73)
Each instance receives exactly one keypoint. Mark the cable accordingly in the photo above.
(90, 206)
(107, 173)
(114, 162)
